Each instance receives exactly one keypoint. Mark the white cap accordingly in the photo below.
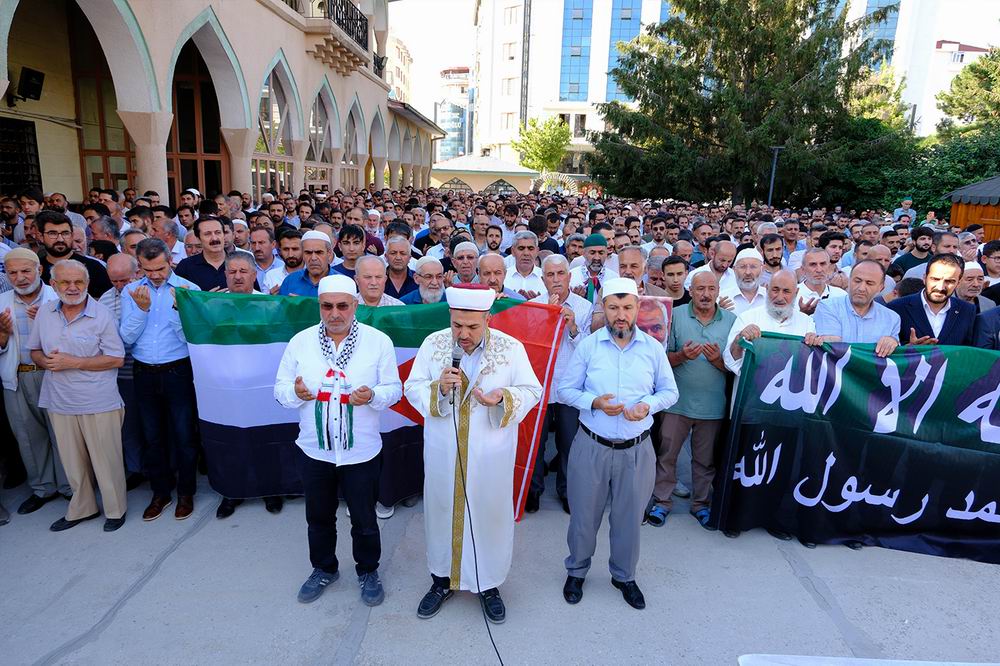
(618, 287)
(466, 245)
(470, 297)
(372, 211)
(973, 266)
(424, 260)
(337, 284)
(193, 191)
(243, 222)
(312, 234)
(748, 253)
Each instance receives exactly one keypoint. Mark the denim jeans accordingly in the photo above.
(168, 414)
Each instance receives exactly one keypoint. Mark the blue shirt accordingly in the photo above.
(156, 336)
(638, 373)
(413, 298)
(299, 284)
(836, 316)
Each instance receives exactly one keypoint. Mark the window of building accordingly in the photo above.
(564, 117)
(19, 165)
(510, 50)
(511, 15)
(958, 57)
(623, 29)
(271, 168)
(507, 86)
(506, 121)
(883, 33)
(580, 127)
(456, 184)
(500, 187)
(575, 61)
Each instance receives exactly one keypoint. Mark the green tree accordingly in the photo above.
(718, 84)
(542, 145)
(879, 95)
(974, 95)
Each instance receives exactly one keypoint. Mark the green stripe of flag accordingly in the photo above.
(253, 319)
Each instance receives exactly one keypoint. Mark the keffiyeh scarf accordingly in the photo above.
(333, 409)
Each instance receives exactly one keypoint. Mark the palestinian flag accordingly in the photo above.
(236, 342)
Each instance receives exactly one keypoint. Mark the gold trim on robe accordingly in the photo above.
(461, 478)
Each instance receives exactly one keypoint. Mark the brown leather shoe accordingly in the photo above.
(185, 507)
(156, 507)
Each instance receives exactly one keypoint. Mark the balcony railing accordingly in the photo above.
(350, 19)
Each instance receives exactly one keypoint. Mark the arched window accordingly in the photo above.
(319, 158)
(350, 169)
(456, 184)
(500, 187)
(272, 166)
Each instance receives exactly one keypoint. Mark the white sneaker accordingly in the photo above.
(384, 512)
(680, 490)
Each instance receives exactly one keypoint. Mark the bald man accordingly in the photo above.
(720, 259)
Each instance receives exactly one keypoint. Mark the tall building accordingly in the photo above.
(193, 93)
(397, 69)
(451, 113)
(544, 58)
(928, 43)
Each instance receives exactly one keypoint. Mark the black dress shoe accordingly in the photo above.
(855, 545)
(631, 593)
(573, 589)
(531, 504)
(565, 504)
(273, 504)
(112, 524)
(808, 544)
(34, 503)
(493, 605)
(778, 534)
(227, 507)
(63, 524)
(731, 534)
(134, 480)
(432, 601)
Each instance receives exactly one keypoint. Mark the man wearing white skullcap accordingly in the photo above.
(749, 292)
(317, 254)
(618, 378)
(472, 385)
(339, 375)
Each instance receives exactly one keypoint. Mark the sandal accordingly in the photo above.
(657, 516)
(702, 516)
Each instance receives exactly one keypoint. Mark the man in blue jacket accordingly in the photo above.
(934, 315)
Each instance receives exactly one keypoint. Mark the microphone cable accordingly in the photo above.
(472, 534)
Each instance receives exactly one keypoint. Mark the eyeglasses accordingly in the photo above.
(58, 234)
(435, 276)
(339, 307)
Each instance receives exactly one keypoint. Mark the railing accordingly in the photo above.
(378, 65)
(350, 19)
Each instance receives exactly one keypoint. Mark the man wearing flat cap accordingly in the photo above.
(340, 374)
(472, 385)
(618, 378)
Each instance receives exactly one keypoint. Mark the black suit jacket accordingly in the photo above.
(987, 331)
(958, 325)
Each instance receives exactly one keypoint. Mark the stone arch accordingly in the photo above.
(227, 76)
(395, 146)
(279, 66)
(377, 136)
(360, 146)
(499, 186)
(418, 150)
(325, 93)
(456, 184)
(122, 42)
(407, 153)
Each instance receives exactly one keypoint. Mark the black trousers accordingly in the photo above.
(563, 420)
(168, 414)
(323, 482)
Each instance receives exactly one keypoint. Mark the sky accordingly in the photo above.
(439, 34)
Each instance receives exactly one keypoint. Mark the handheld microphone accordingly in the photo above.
(456, 361)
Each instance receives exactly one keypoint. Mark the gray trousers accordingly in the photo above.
(597, 473)
(35, 439)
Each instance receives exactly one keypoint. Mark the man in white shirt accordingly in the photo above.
(749, 292)
(562, 419)
(815, 287)
(339, 375)
(370, 274)
(526, 278)
(586, 280)
(165, 229)
(290, 251)
(779, 314)
(720, 257)
(262, 247)
(658, 229)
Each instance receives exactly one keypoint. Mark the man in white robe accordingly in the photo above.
(482, 401)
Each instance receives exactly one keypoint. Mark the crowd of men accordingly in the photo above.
(98, 384)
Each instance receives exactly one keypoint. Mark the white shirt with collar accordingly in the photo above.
(580, 275)
(582, 312)
(807, 294)
(740, 302)
(648, 247)
(727, 283)
(530, 282)
(935, 319)
(797, 324)
(177, 252)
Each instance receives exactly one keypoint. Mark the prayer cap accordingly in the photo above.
(466, 245)
(477, 297)
(595, 240)
(193, 191)
(312, 234)
(337, 284)
(619, 287)
(22, 253)
(243, 222)
(969, 266)
(748, 253)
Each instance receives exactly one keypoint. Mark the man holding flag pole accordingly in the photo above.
(339, 374)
